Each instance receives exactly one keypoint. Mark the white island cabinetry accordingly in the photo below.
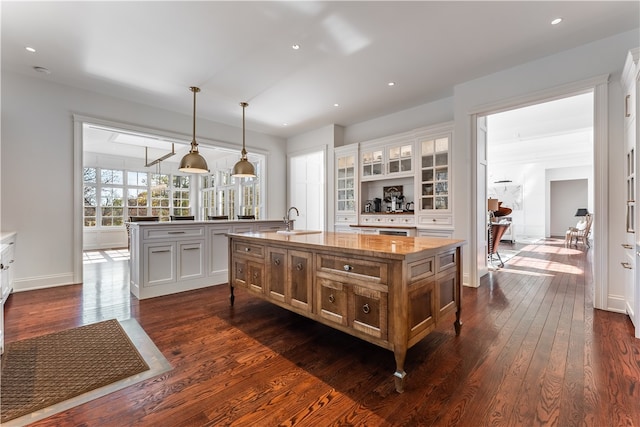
(171, 257)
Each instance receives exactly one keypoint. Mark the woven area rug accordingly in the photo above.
(42, 371)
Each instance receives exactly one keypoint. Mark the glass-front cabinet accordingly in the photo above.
(434, 170)
(346, 165)
(390, 157)
(433, 177)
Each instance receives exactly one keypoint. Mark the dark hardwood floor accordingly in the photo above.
(532, 351)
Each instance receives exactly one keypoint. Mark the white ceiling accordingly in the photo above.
(151, 52)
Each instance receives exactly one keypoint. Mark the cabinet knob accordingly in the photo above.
(276, 261)
(348, 267)
(626, 265)
(247, 249)
(434, 220)
(332, 299)
(366, 309)
(299, 266)
(627, 246)
(255, 275)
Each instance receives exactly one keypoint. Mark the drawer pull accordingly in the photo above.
(434, 220)
(240, 271)
(627, 246)
(191, 249)
(299, 266)
(247, 249)
(348, 267)
(159, 252)
(255, 275)
(626, 265)
(366, 309)
(332, 299)
(176, 232)
(276, 261)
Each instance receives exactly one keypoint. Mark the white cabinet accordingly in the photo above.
(631, 277)
(433, 178)
(172, 257)
(385, 158)
(7, 260)
(346, 194)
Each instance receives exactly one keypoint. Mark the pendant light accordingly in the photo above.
(193, 162)
(243, 169)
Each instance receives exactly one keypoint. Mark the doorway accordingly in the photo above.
(307, 189)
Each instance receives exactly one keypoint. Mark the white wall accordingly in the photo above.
(37, 166)
(566, 197)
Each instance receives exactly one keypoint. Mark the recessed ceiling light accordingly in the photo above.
(556, 21)
(295, 46)
(30, 49)
(285, 124)
(336, 105)
(391, 84)
(42, 70)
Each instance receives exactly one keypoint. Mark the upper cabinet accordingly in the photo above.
(434, 173)
(391, 157)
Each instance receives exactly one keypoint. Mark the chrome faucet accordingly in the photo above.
(287, 220)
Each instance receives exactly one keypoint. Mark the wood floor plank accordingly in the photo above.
(532, 351)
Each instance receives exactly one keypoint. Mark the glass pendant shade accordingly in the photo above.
(244, 168)
(193, 162)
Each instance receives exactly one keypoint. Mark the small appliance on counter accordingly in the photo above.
(377, 204)
(368, 207)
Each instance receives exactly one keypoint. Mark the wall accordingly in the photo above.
(566, 197)
(37, 166)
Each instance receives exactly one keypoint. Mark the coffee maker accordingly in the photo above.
(377, 204)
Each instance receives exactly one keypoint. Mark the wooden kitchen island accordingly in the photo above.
(388, 290)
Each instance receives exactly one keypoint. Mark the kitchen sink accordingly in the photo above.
(298, 232)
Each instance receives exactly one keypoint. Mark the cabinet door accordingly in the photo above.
(434, 174)
(346, 183)
(190, 260)
(218, 249)
(400, 159)
(159, 264)
(369, 311)
(332, 300)
(300, 280)
(255, 277)
(372, 163)
(276, 273)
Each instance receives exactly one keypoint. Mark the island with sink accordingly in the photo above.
(171, 257)
(388, 290)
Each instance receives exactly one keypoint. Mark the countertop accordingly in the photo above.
(366, 244)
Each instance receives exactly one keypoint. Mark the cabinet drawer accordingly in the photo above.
(446, 260)
(400, 219)
(373, 219)
(248, 249)
(346, 219)
(435, 220)
(173, 232)
(356, 269)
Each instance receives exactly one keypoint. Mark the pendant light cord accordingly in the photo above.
(194, 144)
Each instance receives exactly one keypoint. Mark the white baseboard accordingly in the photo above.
(42, 282)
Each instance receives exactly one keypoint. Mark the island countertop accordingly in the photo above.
(390, 247)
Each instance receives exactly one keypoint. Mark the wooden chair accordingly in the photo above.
(182, 217)
(581, 232)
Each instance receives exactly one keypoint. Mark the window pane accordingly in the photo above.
(89, 175)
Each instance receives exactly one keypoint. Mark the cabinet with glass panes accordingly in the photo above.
(434, 176)
(346, 165)
(388, 157)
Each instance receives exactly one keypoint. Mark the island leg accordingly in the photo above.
(232, 297)
(399, 374)
(457, 325)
